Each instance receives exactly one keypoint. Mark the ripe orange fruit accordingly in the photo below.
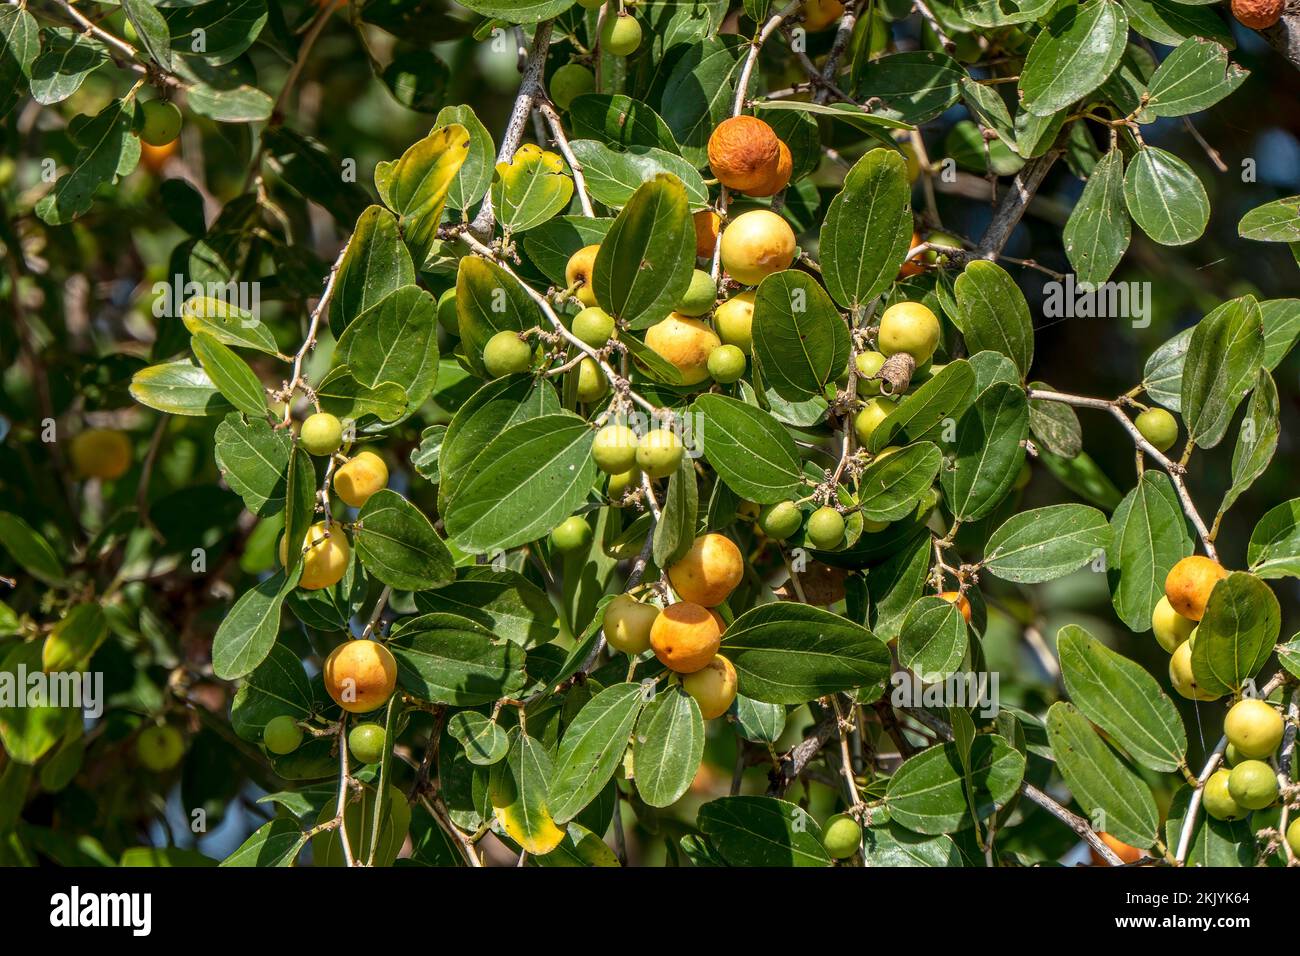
(959, 599)
(360, 675)
(685, 636)
(1189, 583)
(709, 572)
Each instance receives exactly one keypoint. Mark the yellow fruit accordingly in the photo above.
(321, 434)
(685, 637)
(713, 686)
(101, 453)
(734, 320)
(1258, 14)
(1170, 627)
(627, 624)
(324, 556)
(819, 14)
(709, 571)
(577, 274)
(909, 327)
(756, 244)
(620, 482)
(1217, 799)
(1254, 728)
(360, 676)
(706, 223)
(743, 153)
(685, 344)
(360, 478)
(959, 599)
(1125, 852)
(1189, 583)
(160, 748)
(1180, 674)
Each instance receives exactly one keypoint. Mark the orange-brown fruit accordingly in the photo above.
(912, 267)
(154, 158)
(1126, 853)
(685, 636)
(1258, 14)
(780, 177)
(959, 599)
(743, 153)
(706, 223)
(360, 676)
(709, 572)
(819, 14)
(1189, 583)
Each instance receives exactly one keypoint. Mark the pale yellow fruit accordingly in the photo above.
(756, 244)
(734, 320)
(627, 624)
(324, 557)
(578, 272)
(360, 478)
(685, 344)
(1170, 627)
(713, 686)
(709, 571)
(360, 676)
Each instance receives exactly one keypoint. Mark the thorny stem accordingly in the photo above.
(313, 327)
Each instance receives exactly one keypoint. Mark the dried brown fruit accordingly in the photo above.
(1258, 14)
(743, 153)
(780, 174)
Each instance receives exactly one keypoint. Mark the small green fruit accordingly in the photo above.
(506, 353)
(841, 836)
(1253, 785)
(868, 364)
(447, 316)
(621, 35)
(825, 529)
(569, 82)
(780, 520)
(571, 534)
(1218, 800)
(321, 434)
(700, 295)
(160, 748)
(592, 384)
(282, 735)
(593, 326)
(366, 742)
(869, 419)
(659, 453)
(614, 449)
(726, 364)
(160, 122)
(1158, 427)
(1293, 836)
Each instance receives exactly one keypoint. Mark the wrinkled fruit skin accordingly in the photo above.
(743, 153)
(1254, 728)
(713, 686)
(685, 344)
(620, 35)
(614, 449)
(160, 748)
(592, 384)
(593, 326)
(324, 559)
(577, 272)
(959, 599)
(659, 453)
(101, 453)
(361, 477)
(825, 529)
(1258, 14)
(685, 637)
(1189, 583)
(507, 354)
(706, 223)
(1170, 627)
(1180, 674)
(282, 735)
(780, 520)
(1158, 427)
(909, 327)
(699, 296)
(569, 82)
(756, 244)
(627, 624)
(709, 572)
(819, 14)
(160, 122)
(1218, 801)
(360, 676)
(841, 836)
(366, 742)
(321, 434)
(1252, 785)
(571, 534)
(780, 175)
(868, 420)
(726, 364)
(734, 320)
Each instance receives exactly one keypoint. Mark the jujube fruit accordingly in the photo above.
(743, 153)
(507, 354)
(159, 748)
(699, 296)
(593, 326)
(779, 177)
(359, 478)
(360, 675)
(713, 686)
(620, 482)
(959, 599)
(659, 452)
(819, 14)
(448, 318)
(709, 571)
(1126, 852)
(685, 636)
(1217, 799)
(909, 327)
(685, 344)
(1258, 14)
(1170, 627)
(842, 835)
(321, 434)
(869, 418)
(571, 534)
(160, 122)
(614, 449)
(1253, 785)
(868, 364)
(780, 520)
(102, 453)
(626, 624)
(1158, 427)
(706, 223)
(734, 320)
(1189, 583)
(366, 742)
(1293, 835)
(755, 245)
(825, 529)
(578, 271)
(1181, 676)
(282, 735)
(569, 82)
(324, 555)
(726, 364)
(1254, 728)
(620, 35)
(592, 384)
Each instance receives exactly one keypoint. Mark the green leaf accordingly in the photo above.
(914, 87)
(488, 301)
(32, 552)
(520, 790)
(1277, 221)
(1236, 635)
(1046, 543)
(449, 659)
(300, 502)
(1193, 78)
(618, 121)
(1054, 424)
(800, 339)
(759, 721)
(614, 176)
(519, 11)
(230, 374)
(1078, 49)
(891, 845)
(933, 638)
(1171, 22)
(1281, 329)
(1223, 360)
(375, 265)
(347, 399)
(248, 631)
(417, 184)
(788, 653)
(19, 45)
(890, 487)
(1149, 535)
(504, 601)
(763, 831)
(994, 314)
(1097, 233)
(668, 746)
(1165, 197)
(988, 107)
(253, 458)
(593, 747)
(550, 246)
(278, 687)
(277, 843)
(868, 229)
(236, 103)
(988, 453)
(754, 455)
(474, 177)
(896, 584)
(395, 340)
(1122, 699)
(529, 189)
(528, 479)
(1256, 439)
(484, 740)
(30, 726)
(73, 641)
(1113, 796)
(946, 394)
(152, 29)
(107, 151)
(698, 92)
(1274, 548)
(396, 543)
(675, 530)
(927, 793)
(1162, 376)
(178, 388)
(228, 323)
(647, 257)
(65, 58)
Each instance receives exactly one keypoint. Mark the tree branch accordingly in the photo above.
(1014, 203)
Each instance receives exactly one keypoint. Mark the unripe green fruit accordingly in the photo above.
(780, 520)
(1218, 800)
(571, 534)
(592, 384)
(1158, 427)
(282, 735)
(1232, 757)
(726, 364)
(593, 326)
(620, 482)
(1254, 728)
(614, 449)
(366, 742)
(160, 123)
(868, 364)
(869, 419)
(321, 434)
(620, 35)
(447, 316)
(841, 836)
(1293, 836)
(909, 327)
(1170, 627)
(825, 529)
(699, 296)
(659, 453)
(506, 353)
(160, 748)
(1253, 785)
(569, 82)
